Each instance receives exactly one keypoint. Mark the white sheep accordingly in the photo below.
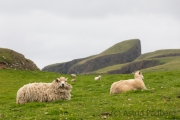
(98, 77)
(59, 89)
(127, 85)
(73, 80)
(73, 76)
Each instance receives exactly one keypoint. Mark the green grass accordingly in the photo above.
(91, 99)
(109, 68)
(7, 54)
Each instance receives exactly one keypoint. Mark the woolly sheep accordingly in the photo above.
(59, 89)
(73, 76)
(98, 78)
(127, 85)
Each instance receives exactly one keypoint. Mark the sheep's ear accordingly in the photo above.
(66, 79)
(56, 80)
(139, 72)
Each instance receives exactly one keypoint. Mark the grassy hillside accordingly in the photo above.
(7, 53)
(168, 60)
(15, 60)
(169, 63)
(157, 53)
(120, 47)
(91, 99)
(165, 64)
(117, 48)
(122, 52)
(110, 68)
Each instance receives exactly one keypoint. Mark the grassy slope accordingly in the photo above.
(117, 48)
(91, 98)
(110, 68)
(169, 63)
(158, 52)
(120, 47)
(7, 54)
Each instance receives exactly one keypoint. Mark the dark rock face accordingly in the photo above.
(108, 60)
(96, 63)
(134, 66)
(61, 67)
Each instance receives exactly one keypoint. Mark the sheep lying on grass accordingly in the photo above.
(98, 78)
(127, 85)
(73, 80)
(59, 89)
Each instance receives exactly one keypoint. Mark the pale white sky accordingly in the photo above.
(56, 31)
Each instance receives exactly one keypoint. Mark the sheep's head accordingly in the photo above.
(61, 82)
(139, 75)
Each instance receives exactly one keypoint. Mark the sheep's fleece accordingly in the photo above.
(59, 89)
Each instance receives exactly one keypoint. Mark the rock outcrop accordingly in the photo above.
(134, 66)
(110, 57)
(15, 60)
(61, 67)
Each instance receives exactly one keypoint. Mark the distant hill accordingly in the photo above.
(120, 53)
(160, 60)
(15, 60)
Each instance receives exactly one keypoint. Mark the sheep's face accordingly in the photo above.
(139, 74)
(61, 82)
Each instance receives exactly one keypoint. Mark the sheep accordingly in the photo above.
(73, 76)
(127, 85)
(73, 80)
(59, 89)
(98, 78)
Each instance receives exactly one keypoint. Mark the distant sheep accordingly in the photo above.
(59, 89)
(73, 80)
(98, 78)
(127, 85)
(73, 76)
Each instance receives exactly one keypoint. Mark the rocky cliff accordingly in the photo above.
(61, 67)
(134, 66)
(122, 52)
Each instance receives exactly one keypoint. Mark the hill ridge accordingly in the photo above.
(128, 51)
(160, 60)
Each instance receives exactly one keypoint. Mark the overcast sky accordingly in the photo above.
(55, 31)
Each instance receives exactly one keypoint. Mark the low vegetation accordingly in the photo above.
(91, 99)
